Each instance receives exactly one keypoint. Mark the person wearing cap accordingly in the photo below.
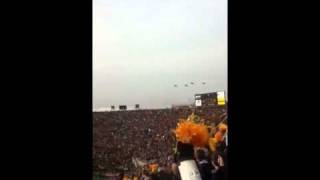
(187, 165)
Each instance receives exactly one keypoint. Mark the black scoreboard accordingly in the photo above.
(211, 99)
(122, 107)
(207, 99)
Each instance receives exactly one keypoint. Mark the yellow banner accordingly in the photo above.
(221, 98)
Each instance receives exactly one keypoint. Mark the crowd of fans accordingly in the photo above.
(123, 139)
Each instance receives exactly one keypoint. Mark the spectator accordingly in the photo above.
(204, 165)
(219, 172)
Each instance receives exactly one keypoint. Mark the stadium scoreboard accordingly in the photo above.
(122, 107)
(210, 99)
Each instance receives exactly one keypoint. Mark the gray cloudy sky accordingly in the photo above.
(141, 48)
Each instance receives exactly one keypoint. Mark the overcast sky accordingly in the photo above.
(141, 48)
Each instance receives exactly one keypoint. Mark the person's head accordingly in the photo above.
(200, 154)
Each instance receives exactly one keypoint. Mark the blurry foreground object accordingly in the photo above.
(193, 133)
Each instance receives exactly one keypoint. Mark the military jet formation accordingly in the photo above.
(187, 85)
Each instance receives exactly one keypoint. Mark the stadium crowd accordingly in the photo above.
(125, 141)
